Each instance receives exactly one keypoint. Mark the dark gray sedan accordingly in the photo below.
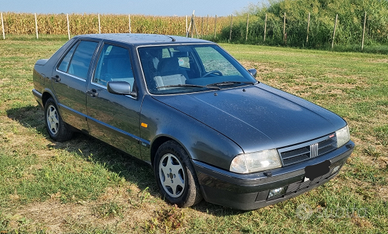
(207, 127)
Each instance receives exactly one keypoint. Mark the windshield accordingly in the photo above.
(190, 68)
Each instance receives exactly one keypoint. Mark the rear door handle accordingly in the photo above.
(56, 78)
(92, 93)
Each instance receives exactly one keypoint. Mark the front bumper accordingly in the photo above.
(250, 191)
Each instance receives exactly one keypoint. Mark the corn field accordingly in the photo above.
(56, 24)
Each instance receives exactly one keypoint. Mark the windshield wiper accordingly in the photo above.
(190, 86)
(227, 83)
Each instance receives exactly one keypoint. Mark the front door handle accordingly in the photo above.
(56, 78)
(92, 93)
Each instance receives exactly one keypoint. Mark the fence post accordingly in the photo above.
(2, 25)
(207, 25)
(335, 27)
(36, 26)
(246, 35)
(231, 25)
(187, 32)
(99, 24)
(215, 27)
(284, 29)
(129, 23)
(265, 26)
(68, 26)
(194, 26)
(191, 26)
(202, 34)
(363, 33)
(308, 28)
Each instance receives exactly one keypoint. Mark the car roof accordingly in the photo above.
(142, 39)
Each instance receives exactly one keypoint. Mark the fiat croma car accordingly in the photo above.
(203, 122)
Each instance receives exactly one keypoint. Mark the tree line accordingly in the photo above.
(311, 23)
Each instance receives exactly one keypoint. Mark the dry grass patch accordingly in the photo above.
(116, 209)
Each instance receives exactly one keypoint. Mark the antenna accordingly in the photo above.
(172, 39)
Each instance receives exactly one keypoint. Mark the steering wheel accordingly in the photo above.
(216, 72)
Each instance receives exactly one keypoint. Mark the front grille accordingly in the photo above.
(302, 152)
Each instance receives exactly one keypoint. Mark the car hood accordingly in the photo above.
(257, 117)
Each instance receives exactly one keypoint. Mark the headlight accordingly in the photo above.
(343, 136)
(257, 161)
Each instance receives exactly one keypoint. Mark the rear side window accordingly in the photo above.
(77, 60)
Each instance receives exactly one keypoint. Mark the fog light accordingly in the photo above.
(335, 169)
(277, 192)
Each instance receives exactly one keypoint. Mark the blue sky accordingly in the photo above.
(144, 7)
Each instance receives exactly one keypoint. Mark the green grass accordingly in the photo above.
(86, 186)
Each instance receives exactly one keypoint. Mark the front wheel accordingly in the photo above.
(56, 128)
(175, 175)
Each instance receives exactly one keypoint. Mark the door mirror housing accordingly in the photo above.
(120, 88)
(253, 72)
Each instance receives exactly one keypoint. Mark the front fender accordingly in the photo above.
(202, 142)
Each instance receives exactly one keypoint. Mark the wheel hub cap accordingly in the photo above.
(172, 177)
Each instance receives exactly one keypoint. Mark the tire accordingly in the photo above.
(56, 128)
(175, 175)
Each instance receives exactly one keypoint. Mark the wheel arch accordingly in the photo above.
(159, 141)
(45, 97)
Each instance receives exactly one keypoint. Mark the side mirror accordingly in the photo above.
(253, 72)
(120, 88)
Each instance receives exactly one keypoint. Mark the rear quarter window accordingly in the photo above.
(77, 61)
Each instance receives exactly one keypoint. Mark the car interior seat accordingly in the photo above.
(169, 73)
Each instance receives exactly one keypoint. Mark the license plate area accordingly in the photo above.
(315, 171)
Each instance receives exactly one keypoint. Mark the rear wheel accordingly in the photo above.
(175, 175)
(56, 128)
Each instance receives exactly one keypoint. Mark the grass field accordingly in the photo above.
(86, 186)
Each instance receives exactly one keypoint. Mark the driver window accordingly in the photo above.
(113, 65)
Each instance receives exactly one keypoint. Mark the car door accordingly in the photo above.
(113, 118)
(69, 83)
